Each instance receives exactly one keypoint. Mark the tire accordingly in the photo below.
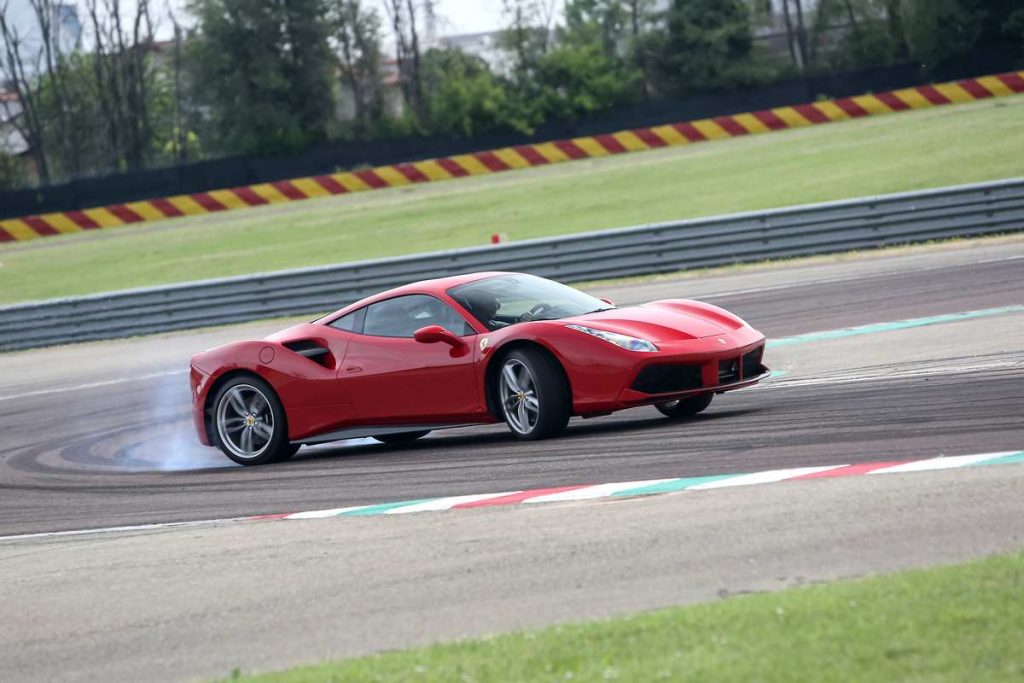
(249, 422)
(685, 407)
(401, 437)
(533, 394)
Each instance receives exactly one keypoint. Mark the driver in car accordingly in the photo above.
(484, 306)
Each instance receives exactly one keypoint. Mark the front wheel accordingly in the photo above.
(533, 394)
(249, 422)
(684, 407)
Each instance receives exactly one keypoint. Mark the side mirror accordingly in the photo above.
(431, 334)
(608, 301)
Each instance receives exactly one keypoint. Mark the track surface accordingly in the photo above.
(82, 437)
(74, 459)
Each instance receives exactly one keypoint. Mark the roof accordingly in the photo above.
(435, 287)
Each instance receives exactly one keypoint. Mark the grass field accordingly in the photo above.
(928, 148)
(962, 623)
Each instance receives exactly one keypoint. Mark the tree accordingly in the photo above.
(263, 70)
(576, 81)
(409, 19)
(22, 62)
(588, 69)
(123, 77)
(84, 112)
(526, 36)
(355, 32)
(707, 45)
(595, 22)
(463, 97)
(12, 172)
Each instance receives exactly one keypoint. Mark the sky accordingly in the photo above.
(455, 16)
(469, 16)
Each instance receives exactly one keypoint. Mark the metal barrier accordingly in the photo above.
(869, 222)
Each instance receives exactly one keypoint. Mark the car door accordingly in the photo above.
(394, 379)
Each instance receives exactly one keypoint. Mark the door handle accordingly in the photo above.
(353, 368)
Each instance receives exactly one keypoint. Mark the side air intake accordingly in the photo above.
(312, 350)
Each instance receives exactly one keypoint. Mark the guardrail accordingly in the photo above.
(967, 210)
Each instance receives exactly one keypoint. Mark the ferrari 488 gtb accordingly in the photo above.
(470, 349)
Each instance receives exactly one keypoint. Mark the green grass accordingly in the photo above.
(962, 623)
(929, 148)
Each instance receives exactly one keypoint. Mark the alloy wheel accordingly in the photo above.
(519, 400)
(245, 421)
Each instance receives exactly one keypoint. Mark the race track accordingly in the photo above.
(98, 435)
(77, 455)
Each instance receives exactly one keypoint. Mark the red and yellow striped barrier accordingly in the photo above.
(508, 158)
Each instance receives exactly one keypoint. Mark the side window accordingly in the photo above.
(352, 322)
(402, 316)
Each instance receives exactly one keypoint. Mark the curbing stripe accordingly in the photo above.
(769, 477)
(670, 485)
(513, 498)
(585, 492)
(1005, 460)
(941, 463)
(596, 491)
(441, 504)
(522, 156)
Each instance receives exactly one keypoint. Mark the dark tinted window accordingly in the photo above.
(402, 316)
(352, 322)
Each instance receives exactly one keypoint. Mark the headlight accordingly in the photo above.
(621, 340)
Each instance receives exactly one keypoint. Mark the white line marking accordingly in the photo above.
(868, 376)
(115, 529)
(92, 385)
(941, 463)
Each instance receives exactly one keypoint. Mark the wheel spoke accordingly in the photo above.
(257, 404)
(511, 380)
(234, 424)
(247, 440)
(264, 430)
(532, 403)
(235, 400)
(524, 418)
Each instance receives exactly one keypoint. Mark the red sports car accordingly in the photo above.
(462, 350)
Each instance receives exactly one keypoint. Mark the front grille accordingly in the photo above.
(664, 378)
(728, 371)
(752, 362)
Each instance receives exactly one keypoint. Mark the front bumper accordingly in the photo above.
(717, 364)
(622, 379)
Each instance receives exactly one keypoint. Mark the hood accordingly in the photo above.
(656, 323)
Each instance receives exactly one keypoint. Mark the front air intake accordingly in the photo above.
(664, 378)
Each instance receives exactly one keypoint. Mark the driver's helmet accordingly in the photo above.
(482, 304)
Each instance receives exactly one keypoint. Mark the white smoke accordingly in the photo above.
(170, 443)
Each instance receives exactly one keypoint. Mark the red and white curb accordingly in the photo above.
(588, 491)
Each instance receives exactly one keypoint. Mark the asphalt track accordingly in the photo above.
(86, 457)
(98, 435)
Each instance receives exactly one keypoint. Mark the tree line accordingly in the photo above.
(272, 77)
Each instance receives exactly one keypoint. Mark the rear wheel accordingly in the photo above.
(401, 437)
(533, 394)
(249, 422)
(684, 407)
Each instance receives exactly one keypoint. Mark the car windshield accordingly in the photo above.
(509, 299)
